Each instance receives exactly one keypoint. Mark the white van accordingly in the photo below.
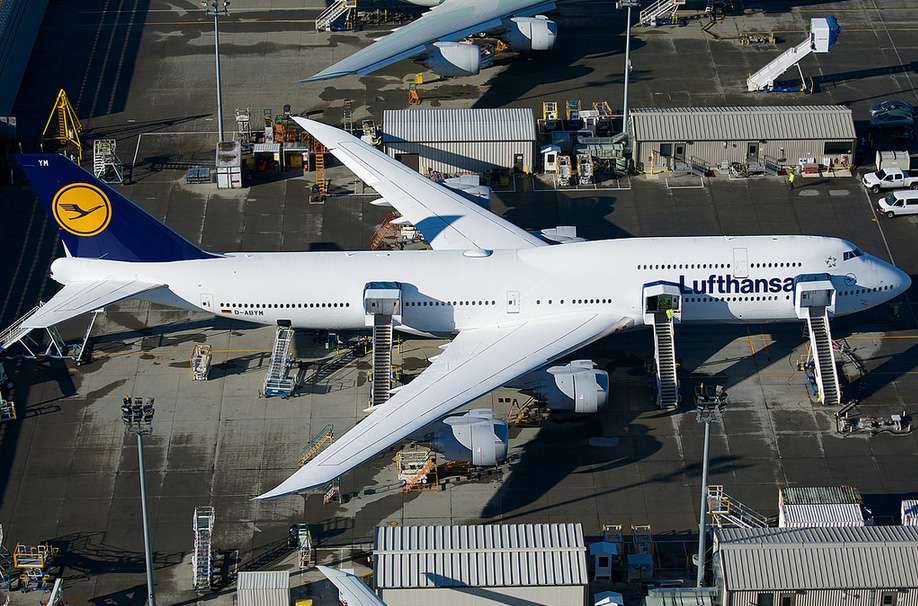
(899, 203)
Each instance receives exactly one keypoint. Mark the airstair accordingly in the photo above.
(278, 381)
(823, 34)
(382, 305)
(658, 9)
(203, 562)
(823, 356)
(814, 301)
(727, 512)
(201, 359)
(304, 546)
(334, 13)
(662, 308)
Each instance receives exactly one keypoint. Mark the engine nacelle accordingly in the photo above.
(453, 58)
(524, 34)
(577, 386)
(475, 437)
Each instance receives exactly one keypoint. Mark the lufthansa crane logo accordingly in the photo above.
(82, 209)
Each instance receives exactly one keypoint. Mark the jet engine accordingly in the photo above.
(577, 386)
(523, 34)
(453, 58)
(475, 437)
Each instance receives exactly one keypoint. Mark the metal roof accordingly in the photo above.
(458, 125)
(818, 558)
(509, 555)
(263, 588)
(765, 123)
(819, 495)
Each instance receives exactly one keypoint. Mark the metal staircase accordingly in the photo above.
(660, 7)
(318, 444)
(665, 357)
(56, 347)
(821, 38)
(334, 12)
(17, 331)
(278, 381)
(203, 563)
(201, 358)
(823, 356)
(727, 512)
(382, 359)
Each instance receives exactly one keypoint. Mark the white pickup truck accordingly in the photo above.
(889, 178)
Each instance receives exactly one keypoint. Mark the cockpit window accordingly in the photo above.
(850, 254)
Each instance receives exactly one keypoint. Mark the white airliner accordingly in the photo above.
(433, 40)
(511, 301)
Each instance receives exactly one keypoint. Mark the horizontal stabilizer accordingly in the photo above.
(77, 298)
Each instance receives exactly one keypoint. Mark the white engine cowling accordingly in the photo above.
(524, 34)
(453, 58)
(475, 437)
(577, 386)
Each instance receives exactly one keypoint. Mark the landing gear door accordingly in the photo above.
(513, 302)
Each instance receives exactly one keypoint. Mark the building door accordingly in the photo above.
(518, 163)
(666, 152)
(410, 160)
(752, 150)
(679, 153)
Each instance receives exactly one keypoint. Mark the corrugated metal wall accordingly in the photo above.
(827, 597)
(713, 153)
(486, 596)
(465, 156)
(457, 141)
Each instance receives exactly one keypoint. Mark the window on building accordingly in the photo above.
(837, 147)
(788, 599)
(888, 598)
(765, 599)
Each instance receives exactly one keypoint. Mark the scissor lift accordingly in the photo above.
(201, 359)
(34, 561)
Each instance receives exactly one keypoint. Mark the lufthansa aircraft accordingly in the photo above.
(433, 39)
(511, 301)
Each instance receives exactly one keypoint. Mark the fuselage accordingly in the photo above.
(721, 279)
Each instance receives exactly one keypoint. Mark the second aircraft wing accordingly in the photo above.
(451, 20)
(445, 219)
(476, 362)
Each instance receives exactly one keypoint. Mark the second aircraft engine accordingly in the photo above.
(524, 34)
(577, 386)
(475, 437)
(453, 58)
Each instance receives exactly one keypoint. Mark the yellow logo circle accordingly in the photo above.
(82, 209)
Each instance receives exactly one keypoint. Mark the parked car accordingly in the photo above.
(892, 119)
(889, 178)
(890, 105)
(899, 203)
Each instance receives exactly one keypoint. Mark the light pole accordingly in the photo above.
(629, 4)
(709, 405)
(217, 10)
(137, 414)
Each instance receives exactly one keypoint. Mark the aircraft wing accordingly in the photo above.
(475, 362)
(78, 298)
(445, 219)
(451, 20)
(354, 591)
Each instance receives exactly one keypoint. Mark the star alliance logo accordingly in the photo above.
(82, 209)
